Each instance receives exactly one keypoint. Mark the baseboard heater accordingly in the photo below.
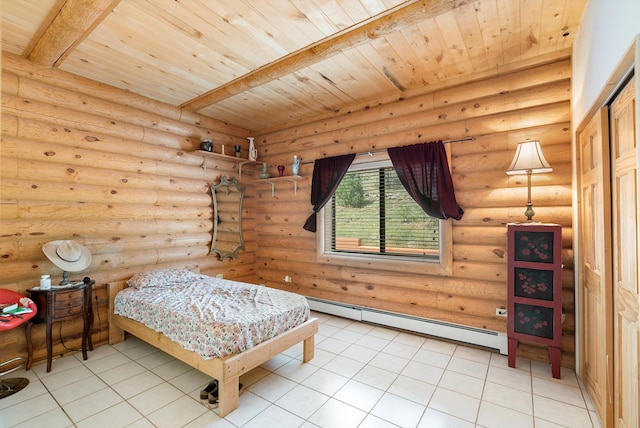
(445, 330)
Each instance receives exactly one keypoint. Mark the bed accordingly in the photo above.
(222, 328)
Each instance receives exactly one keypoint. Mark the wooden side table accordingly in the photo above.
(61, 303)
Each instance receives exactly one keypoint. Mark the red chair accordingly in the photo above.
(13, 385)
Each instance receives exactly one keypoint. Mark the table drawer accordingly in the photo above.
(67, 312)
(63, 299)
(68, 304)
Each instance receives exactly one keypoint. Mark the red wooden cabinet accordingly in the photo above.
(535, 288)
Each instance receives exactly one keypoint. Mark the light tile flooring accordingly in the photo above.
(362, 376)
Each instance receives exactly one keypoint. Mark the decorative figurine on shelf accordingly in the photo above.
(295, 166)
(253, 152)
(237, 147)
(206, 145)
(281, 170)
(264, 174)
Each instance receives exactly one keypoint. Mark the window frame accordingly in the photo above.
(399, 263)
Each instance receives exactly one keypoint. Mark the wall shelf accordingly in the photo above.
(290, 178)
(206, 155)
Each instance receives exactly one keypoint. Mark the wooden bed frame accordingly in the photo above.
(226, 370)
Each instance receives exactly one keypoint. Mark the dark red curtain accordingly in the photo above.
(424, 171)
(327, 175)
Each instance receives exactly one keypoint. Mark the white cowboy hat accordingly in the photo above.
(67, 255)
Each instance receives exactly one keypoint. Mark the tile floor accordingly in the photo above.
(362, 376)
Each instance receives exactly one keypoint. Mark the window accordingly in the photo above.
(371, 215)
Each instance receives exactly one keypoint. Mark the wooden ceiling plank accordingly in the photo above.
(487, 11)
(317, 16)
(356, 11)
(436, 42)
(364, 86)
(294, 22)
(396, 18)
(530, 23)
(371, 64)
(296, 91)
(201, 30)
(551, 25)
(145, 61)
(286, 24)
(402, 61)
(305, 89)
(23, 21)
(469, 26)
(509, 17)
(374, 7)
(335, 74)
(153, 83)
(455, 42)
(73, 22)
(571, 21)
(429, 71)
(256, 33)
(249, 108)
(395, 67)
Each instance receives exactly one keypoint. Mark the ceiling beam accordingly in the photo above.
(404, 15)
(73, 22)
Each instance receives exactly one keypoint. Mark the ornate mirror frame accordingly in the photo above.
(227, 237)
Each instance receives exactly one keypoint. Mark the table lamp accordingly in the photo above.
(529, 160)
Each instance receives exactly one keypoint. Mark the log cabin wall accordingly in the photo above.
(499, 112)
(114, 171)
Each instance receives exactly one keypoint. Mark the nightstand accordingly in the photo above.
(61, 303)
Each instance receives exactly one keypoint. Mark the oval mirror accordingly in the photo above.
(227, 218)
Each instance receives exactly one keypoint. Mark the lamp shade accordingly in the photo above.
(529, 158)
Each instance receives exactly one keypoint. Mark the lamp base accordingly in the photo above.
(529, 212)
(65, 278)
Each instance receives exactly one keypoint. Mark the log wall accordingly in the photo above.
(117, 173)
(499, 112)
(114, 171)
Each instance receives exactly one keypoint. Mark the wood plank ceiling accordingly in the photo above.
(264, 65)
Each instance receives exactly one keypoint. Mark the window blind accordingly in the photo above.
(371, 212)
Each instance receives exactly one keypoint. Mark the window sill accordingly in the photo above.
(388, 263)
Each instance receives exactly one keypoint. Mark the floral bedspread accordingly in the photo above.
(214, 317)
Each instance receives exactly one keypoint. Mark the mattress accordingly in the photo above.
(213, 317)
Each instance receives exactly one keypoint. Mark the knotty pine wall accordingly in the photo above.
(500, 112)
(114, 171)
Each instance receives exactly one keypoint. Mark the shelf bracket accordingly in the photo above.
(240, 168)
(294, 179)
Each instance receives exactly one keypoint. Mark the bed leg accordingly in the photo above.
(116, 335)
(228, 393)
(308, 349)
